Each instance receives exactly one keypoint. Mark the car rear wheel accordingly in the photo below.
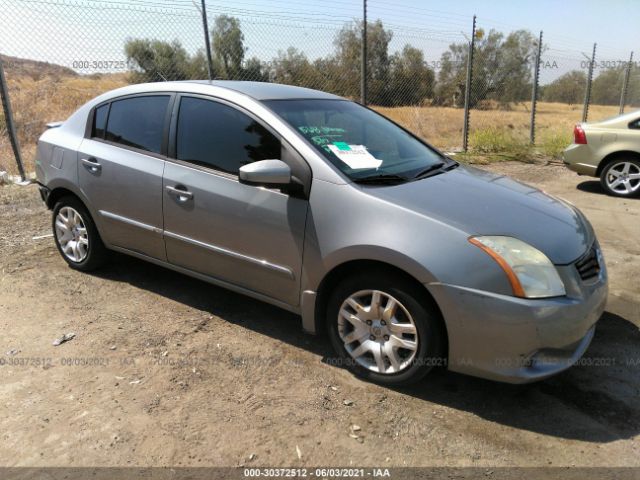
(384, 329)
(76, 235)
(621, 177)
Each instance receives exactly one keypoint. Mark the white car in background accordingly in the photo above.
(610, 150)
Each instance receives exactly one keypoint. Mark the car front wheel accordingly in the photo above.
(621, 178)
(384, 329)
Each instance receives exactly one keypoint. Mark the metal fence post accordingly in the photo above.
(587, 93)
(467, 89)
(8, 116)
(625, 84)
(207, 41)
(534, 94)
(363, 66)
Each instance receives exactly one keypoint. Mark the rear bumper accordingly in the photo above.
(518, 340)
(578, 158)
(44, 192)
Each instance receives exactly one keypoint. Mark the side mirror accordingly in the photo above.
(265, 172)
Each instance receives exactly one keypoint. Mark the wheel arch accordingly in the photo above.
(338, 272)
(62, 189)
(614, 156)
(59, 192)
(59, 187)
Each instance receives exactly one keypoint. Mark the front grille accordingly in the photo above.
(588, 265)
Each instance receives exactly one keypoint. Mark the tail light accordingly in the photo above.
(579, 137)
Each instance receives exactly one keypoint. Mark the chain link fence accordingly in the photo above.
(57, 54)
(633, 89)
(577, 81)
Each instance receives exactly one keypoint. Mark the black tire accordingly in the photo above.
(96, 253)
(606, 177)
(425, 315)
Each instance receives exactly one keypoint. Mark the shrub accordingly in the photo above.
(499, 141)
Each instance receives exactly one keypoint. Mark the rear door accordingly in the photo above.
(120, 164)
(248, 236)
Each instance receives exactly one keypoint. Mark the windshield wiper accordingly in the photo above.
(381, 179)
(428, 170)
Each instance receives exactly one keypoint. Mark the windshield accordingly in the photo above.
(360, 142)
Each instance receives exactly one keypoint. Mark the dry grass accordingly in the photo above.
(494, 133)
(48, 99)
(499, 131)
(441, 126)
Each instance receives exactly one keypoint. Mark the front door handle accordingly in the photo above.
(91, 164)
(180, 192)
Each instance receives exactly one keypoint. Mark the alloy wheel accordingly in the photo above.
(377, 331)
(71, 234)
(623, 178)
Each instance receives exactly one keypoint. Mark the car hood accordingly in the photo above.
(482, 203)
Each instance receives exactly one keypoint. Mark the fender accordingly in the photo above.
(311, 283)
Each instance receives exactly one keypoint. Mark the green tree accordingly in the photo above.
(331, 78)
(157, 61)
(197, 66)
(227, 41)
(568, 88)
(451, 77)
(293, 68)
(348, 45)
(411, 80)
(607, 86)
(633, 90)
(255, 70)
(518, 53)
(501, 69)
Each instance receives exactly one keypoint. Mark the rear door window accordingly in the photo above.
(138, 122)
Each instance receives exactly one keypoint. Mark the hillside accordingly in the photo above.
(21, 67)
(44, 92)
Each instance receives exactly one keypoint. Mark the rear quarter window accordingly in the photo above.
(635, 125)
(100, 121)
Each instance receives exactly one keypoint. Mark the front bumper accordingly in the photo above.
(578, 157)
(519, 340)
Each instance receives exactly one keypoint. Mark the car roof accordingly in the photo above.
(618, 120)
(256, 90)
(268, 91)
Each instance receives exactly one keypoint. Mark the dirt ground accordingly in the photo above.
(169, 371)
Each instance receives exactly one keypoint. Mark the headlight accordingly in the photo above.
(530, 272)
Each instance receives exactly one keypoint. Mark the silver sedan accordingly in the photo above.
(406, 258)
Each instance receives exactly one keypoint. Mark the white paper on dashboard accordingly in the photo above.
(356, 157)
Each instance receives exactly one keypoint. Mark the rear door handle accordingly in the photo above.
(91, 164)
(180, 192)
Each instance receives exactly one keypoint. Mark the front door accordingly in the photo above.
(248, 236)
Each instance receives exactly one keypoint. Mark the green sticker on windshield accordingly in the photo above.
(342, 145)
